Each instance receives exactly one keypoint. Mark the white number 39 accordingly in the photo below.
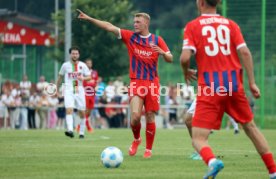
(219, 39)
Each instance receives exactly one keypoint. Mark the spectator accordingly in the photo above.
(60, 112)
(43, 105)
(15, 90)
(101, 109)
(40, 86)
(8, 100)
(118, 84)
(110, 91)
(24, 111)
(111, 114)
(100, 87)
(13, 104)
(3, 112)
(52, 117)
(34, 98)
(25, 86)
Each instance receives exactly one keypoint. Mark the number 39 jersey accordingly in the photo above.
(215, 41)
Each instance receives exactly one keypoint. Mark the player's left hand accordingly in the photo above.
(255, 90)
(190, 75)
(157, 49)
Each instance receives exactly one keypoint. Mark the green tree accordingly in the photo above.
(108, 53)
(109, 56)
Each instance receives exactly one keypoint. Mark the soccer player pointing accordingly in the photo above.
(143, 50)
(216, 41)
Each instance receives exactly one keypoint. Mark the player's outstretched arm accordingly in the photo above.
(248, 65)
(102, 24)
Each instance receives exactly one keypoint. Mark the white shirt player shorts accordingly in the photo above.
(73, 90)
(191, 109)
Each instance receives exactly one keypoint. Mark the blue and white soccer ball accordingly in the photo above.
(112, 157)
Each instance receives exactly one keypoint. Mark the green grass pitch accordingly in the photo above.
(49, 154)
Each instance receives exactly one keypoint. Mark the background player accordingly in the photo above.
(188, 121)
(74, 73)
(90, 91)
(143, 49)
(215, 41)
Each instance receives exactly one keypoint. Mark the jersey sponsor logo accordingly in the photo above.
(150, 132)
(142, 52)
(74, 75)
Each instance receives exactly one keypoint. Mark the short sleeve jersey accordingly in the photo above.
(215, 41)
(143, 60)
(71, 71)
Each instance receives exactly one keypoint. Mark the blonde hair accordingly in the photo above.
(143, 14)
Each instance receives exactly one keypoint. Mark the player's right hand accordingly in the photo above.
(82, 15)
(190, 75)
(255, 90)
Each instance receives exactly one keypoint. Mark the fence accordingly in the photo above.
(161, 118)
(257, 20)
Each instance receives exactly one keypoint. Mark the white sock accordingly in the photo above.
(211, 161)
(69, 122)
(82, 126)
(272, 175)
(234, 124)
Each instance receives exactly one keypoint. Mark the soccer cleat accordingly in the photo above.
(272, 176)
(69, 134)
(236, 131)
(81, 136)
(213, 170)
(90, 129)
(134, 146)
(195, 156)
(147, 153)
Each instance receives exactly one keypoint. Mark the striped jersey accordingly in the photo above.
(91, 84)
(143, 60)
(94, 79)
(215, 41)
(71, 71)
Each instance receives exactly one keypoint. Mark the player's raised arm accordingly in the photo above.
(102, 24)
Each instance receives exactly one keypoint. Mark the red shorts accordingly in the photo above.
(148, 91)
(90, 100)
(210, 109)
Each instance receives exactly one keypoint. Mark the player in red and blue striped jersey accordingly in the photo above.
(90, 91)
(144, 49)
(216, 41)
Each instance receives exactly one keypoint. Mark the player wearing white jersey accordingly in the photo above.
(74, 73)
(188, 121)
